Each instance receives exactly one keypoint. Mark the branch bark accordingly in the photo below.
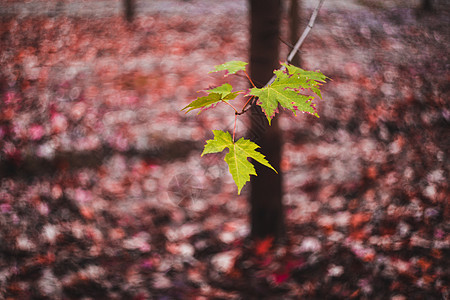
(305, 32)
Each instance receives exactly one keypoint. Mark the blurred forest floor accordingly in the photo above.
(103, 193)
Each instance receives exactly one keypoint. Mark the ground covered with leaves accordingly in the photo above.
(104, 195)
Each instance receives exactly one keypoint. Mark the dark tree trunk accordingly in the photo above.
(129, 7)
(267, 219)
(427, 5)
(294, 24)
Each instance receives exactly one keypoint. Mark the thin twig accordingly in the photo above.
(288, 44)
(247, 77)
(246, 74)
(245, 105)
(226, 102)
(234, 129)
(300, 40)
(305, 32)
(245, 110)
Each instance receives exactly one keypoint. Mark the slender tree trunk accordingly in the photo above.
(267, 219)
(294, 24)
(427, 5)
(129, 7)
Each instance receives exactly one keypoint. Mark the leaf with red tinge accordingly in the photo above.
(284, 91)
(231, 67)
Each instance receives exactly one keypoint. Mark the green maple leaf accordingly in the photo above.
(231, 67)
(284, 91)
(316, 76)
(309, 79)
(237, 156)
(225, 90)
(215, 95)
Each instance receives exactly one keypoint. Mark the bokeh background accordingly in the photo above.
(103, 193)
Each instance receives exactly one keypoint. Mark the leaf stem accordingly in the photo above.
(251, 81)
(235, 110)
(245, 106)
(234, 129)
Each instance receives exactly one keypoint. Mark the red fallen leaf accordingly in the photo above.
(235, 273)
(359, 219)
(436, 253)
(8, 114)
(140, 297)
(358, 235)
(36, 132)
(395, 286)
(86, 212)
(285, 164)
(424, 264)
(280, 277)
(369, 257)
(372, 172)
(355, 294)
(293, 264)
(14, 288)
(263, 246)
(45, 259)
(429, 279)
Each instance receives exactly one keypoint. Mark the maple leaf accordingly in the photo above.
(313, 78)
(284, 91)
(237, 156)
(231, 67)
(225, 90)
(316, 76)
(281, 277)
(215, 95)
(264, 245)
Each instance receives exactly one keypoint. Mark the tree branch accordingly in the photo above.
(288, 44)
(300, 40)
(231, 105)
(245, 106)
(305, 32)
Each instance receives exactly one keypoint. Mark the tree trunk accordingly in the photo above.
(427, 5)
(129, 7)
(294, 24)
(267, 218)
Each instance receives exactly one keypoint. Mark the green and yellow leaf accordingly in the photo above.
(285, 91)
(237, 156)
(231, 67)
(215, 95)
